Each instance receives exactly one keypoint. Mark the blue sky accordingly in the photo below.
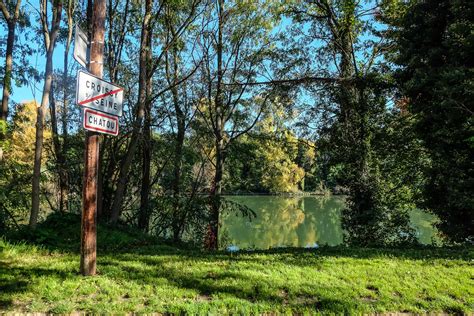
(34, 90)
(37, 60)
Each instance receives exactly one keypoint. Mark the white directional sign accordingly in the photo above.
(81, 47)
(95, 93)
(100, 122)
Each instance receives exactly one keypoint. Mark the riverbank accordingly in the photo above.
(337, 191)
(136, 274)
(283, 194)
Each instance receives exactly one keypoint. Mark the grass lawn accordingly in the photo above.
(140, 276)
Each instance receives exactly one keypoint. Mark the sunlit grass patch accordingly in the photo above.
(163, 279)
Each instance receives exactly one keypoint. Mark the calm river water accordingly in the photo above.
(297, 222)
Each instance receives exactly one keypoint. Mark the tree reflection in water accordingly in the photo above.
(297, 222)
(285, 222)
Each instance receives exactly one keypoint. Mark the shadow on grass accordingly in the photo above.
(150, 263)
(112, 241)
(223, 284)
(120, 249)
(14, 280)
(61, 233)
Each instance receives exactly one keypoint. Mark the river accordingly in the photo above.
(302, 221)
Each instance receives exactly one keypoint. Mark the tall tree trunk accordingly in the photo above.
(56, 142)
(7, 81)
(8, 70)
(213, 230)
(145, 211)
(63, 174)
(50, 42)
(39, 140)
(108, 166)
(178, 158)
(140, 114)
(172, 79)
(11, 20)
(216, 190)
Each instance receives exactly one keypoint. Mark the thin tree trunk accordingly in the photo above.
(11, 20)
(172, 78)
(145, 211)
(104, 194)
(216, 190)
(63, 174)
(137, 127)
(7, 80)
(56, 143)
(8, 70)
(108, 166)
(50, 42)
(39, 141)
(178, 157)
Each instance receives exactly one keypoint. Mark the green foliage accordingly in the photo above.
(3, 128)
(193, 216)
(61, 232)
(3, 137)
(352, 118)
(15, 192)
(269, 160)
(374, 159)
(330, 68)
(265, 163)
(16, 168)
(435, 45)
(393, 188)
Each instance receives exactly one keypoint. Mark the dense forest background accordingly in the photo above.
(371, 99)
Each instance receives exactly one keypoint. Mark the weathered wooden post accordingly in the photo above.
(91, 155)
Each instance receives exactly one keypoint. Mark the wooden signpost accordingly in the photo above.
(88, 265)
(102, 105)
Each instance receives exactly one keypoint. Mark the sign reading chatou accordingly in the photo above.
(100, 122)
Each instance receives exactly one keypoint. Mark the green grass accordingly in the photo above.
(140, 276)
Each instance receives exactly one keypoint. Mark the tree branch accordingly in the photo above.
(4, 9)
(292, 80)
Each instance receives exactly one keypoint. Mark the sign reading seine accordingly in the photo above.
(100, 122)
(97, 94)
